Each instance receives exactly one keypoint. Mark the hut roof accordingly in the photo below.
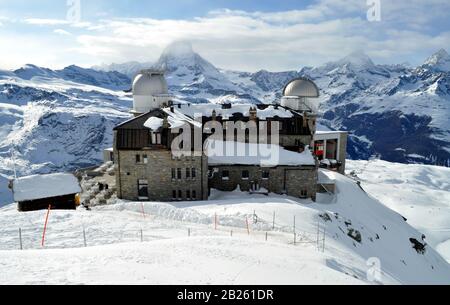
(45, 186)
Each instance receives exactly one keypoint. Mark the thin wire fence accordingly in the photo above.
(252, 226)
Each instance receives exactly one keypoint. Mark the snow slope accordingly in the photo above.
(168, 256)
(421, 193)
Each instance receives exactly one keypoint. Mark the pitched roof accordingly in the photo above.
(45, 186)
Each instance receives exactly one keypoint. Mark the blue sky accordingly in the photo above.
(241, 35)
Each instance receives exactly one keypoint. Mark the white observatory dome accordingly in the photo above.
(301, 87)
(149, 82)
(150, 91)
(300, 94)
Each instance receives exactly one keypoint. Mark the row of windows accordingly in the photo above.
(190, 173)
(178, 195)
(245, 175)
(141, 159)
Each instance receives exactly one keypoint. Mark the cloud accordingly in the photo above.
(234, 39)
(254, 40)
(56, 22)
(42, 21)
(62, 32)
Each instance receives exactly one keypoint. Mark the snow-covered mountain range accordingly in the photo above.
(62, 119)
(399, 112)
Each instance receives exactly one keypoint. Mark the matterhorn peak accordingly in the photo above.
(439, 61)
(181, 48)
(358, 59)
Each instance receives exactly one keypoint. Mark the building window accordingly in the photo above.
(188, 195)
(245, 175)
(143, 189)
(194, 173)
(180, 195)
(174, 174)
(179, 174)
(156, 138)
(265, 175)
(174, 195)
(188, 173)
(138, 159)
(225, 175)
(194, 195)
(304, 194)
(145, 159)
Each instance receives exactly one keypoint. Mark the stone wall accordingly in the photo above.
(290, 140)
(158, 173)
(343, 151)
(282, 179)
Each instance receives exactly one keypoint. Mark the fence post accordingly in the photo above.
(215, 221)
(20, 238)
(324, 236)
(231, 233)
(189, 232)
(273, 227)
(142, 236)
(318, 235)
(84, 237)
(248, 227)
(267, 236)
(295, 233)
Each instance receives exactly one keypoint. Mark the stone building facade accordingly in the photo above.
(296, 181)
(155, 175)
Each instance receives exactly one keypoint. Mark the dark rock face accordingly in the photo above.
(418, 246)
(397, 137)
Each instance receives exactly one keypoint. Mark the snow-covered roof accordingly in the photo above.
(154, 123)
(266, 155)
(326, 177)
(192, 110)
(45, 186)
(325, 135)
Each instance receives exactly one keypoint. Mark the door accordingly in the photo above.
(143, 189)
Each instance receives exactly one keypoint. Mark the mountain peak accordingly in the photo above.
(29, 71)
(179, 49)
(358, 59)
(439, 61)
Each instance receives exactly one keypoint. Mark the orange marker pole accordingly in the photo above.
(143, 210)
(45, 225)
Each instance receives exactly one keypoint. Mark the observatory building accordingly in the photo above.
(264, 148)
(150, 91)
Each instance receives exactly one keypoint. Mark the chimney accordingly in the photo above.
(253, 114)
(165, 123)
(214, 115)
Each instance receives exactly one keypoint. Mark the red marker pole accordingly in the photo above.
(45, 225)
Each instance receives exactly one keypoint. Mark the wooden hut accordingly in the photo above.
(38, 192)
